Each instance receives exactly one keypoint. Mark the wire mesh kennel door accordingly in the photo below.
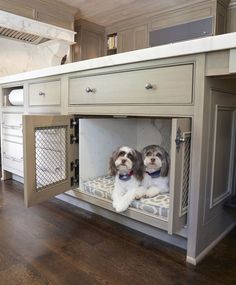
(49, 153)
(179, 175)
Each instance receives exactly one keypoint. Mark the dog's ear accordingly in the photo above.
(165, 163)
(138, 166)
(112, 167)
(144, 151)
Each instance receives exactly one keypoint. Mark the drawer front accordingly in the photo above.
(9, 120)
(12, 138)
(163, 85)
(45, 93)
(13, 157)
(12, 125)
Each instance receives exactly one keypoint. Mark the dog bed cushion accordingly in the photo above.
(102, 187)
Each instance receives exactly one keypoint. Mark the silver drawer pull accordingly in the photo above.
(90, 90)
(148, 86)
(41, 93)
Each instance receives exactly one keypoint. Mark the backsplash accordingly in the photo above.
(17, 57)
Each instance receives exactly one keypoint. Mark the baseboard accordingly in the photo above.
(18, 178)
(196, 260)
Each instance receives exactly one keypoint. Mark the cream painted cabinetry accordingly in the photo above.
(12, 143)
(12, 130)
(136, 33)
(188, 106)
(89, 40)
(45, 93)
(154, 85)
(39, 96)
(132, 39)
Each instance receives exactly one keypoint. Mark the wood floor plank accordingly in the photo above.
(56, 243)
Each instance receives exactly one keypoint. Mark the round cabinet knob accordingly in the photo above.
(41, 93)
(89, 90)
(148, 86)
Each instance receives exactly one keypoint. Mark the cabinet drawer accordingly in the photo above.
(12, 125)
(162, 85)
(45, 93)
(9, 120)
(13, 157)
(12, 138)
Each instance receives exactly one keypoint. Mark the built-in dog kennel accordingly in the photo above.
(72, 153)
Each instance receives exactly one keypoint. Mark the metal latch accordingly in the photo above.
(179, 139)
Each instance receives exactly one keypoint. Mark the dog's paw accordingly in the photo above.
(138, 197)
(120, 208)
(114, 204)
(152, 192)
(140, 192)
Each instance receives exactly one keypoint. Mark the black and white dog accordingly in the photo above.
(127, 166)
(156, 162)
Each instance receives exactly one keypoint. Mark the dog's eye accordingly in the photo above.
(130, 156)
(159, 155)
(149, 153)
(122, 153)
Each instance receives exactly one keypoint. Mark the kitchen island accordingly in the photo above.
(180, 95)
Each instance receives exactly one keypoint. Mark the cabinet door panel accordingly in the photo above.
(48, 154)
(125, 41)
(140, 37)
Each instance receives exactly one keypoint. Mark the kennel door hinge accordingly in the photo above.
(74, 124)
(74, 139)
(179, 139)
(74, 166)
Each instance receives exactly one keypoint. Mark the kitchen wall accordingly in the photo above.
(16, 57)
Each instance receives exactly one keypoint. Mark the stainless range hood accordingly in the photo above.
(22, 36)
(30, 31)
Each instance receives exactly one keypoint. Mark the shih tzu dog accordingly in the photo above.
(156, 162)
(127, 166)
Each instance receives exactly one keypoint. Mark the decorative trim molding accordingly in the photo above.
(220, 198)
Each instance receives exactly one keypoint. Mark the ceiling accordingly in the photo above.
(108, 12)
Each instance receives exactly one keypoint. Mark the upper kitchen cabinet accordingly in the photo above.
(89, 40)
(132, 39)
(197, 20)
(50, 12)
(126, 37)
(194, 19)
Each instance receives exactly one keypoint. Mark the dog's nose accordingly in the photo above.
(152, 159)
(123, 161)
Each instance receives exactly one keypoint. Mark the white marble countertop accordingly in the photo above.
(208, 44)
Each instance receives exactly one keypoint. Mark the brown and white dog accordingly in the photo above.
(156, 162)
(127, 166)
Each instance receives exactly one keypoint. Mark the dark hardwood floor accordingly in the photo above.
(56, 243)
